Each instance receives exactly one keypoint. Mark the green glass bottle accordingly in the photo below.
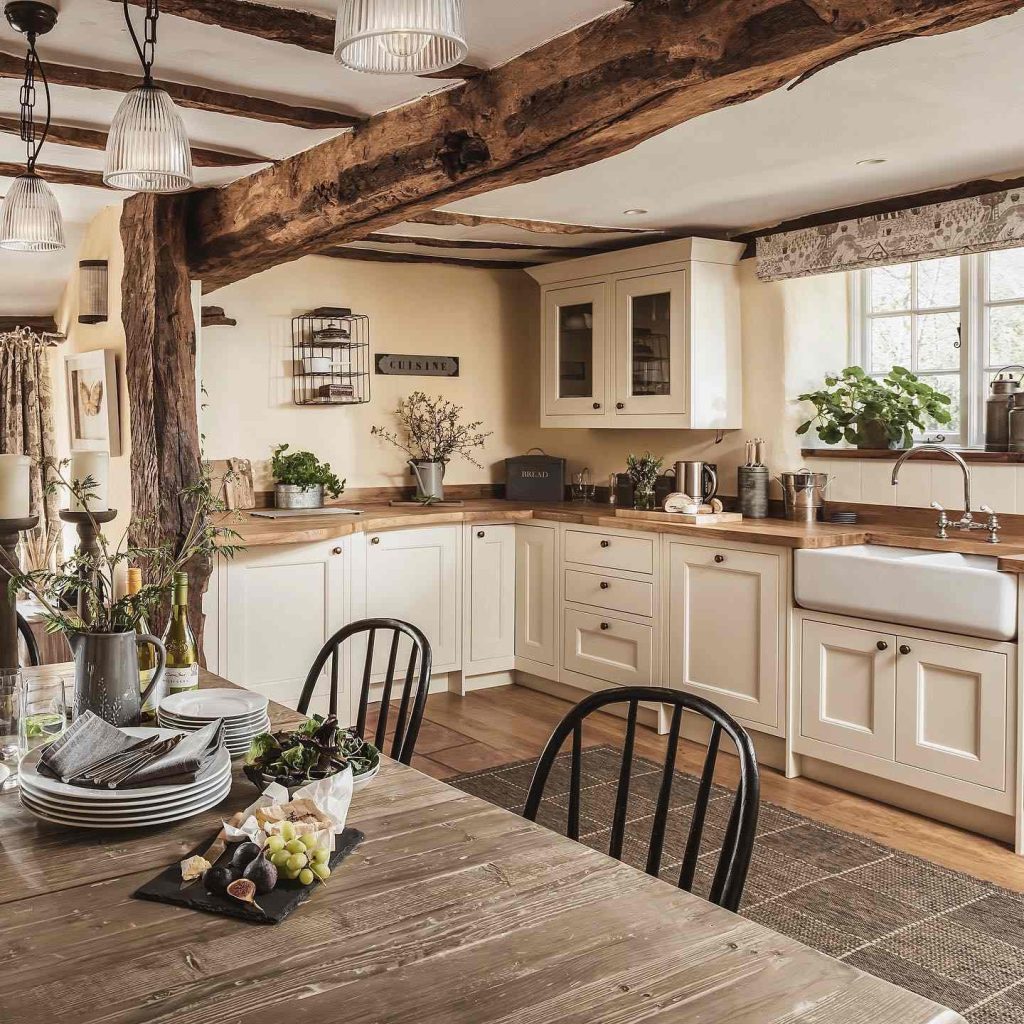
(182, 672)
(147, 655)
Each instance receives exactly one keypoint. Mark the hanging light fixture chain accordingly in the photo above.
(146, 49)
(30, 135)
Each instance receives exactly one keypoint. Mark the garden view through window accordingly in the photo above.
(954, 321)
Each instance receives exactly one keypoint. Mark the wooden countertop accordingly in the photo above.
(778, 532)
(452, 910)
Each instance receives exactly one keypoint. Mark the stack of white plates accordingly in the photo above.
(244, 714)
(138, 807)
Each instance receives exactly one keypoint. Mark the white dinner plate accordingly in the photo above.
(105, 811)
(29, 769)
(252, 716)
(259, 724)
(143, 802)
(213, 703)
(143, 821)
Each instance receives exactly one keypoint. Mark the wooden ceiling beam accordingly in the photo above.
(92, 138)
(474, 243)
(194, 96)
(56, 175)
(592, 93)
(442, 218)
(277, 25)
(376, 256)
(39, 324)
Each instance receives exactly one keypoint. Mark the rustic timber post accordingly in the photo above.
(160, 334)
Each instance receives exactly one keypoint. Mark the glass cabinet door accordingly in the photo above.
(574, 358)
(650, 324)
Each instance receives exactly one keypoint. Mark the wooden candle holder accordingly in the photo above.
(86, 524)
(10, 534)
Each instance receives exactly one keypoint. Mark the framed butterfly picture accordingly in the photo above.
(93, 421)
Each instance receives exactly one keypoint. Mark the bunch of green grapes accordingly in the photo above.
(298, 858)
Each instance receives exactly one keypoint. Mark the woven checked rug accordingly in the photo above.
(948, 936)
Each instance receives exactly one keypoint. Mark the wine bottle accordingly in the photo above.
(147, 655)
(182, 672)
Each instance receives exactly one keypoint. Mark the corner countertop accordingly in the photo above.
(254, 531)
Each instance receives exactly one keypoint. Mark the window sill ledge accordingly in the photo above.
(967, 454)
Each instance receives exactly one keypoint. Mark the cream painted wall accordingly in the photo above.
(102, 240)
(793, 332)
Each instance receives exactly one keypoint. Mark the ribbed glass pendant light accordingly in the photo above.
(147, 146)
(30, 219)
(400, 37)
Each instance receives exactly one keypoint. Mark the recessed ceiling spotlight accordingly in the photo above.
(634, 213)
(871, 161)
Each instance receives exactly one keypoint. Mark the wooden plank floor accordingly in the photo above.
(510, 723)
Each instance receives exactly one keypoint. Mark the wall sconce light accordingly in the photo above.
(92, 291)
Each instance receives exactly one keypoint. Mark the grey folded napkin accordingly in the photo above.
(91, 741)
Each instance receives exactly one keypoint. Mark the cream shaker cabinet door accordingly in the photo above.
(725, 629)
(951, 711)
(414, 575)
(490, 617)
(537, 597)
(574, 357)
(607, 648)
(281, 604)
(848, 687)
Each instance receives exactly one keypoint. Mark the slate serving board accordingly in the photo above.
(286, 896)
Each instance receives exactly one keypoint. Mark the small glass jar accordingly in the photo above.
(643, 499)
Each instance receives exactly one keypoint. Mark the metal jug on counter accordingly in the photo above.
(697, 479)
(1000, 402)
(804, 494)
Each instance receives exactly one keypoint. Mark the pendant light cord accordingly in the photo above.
(33, 144)
(146, 49)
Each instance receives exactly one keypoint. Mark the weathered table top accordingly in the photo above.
(451, 911)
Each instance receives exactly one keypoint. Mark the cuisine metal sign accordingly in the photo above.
(417, 366)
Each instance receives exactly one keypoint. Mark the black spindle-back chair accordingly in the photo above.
(29, 640)
(414, 685)
(737, 846)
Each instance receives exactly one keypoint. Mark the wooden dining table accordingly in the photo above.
(451, 911)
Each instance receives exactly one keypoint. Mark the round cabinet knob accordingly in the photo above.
(606, 543)
(605, 584)
(480, 533)
(620, 405)
(882, 645)
(597, 405)
(904, 649)
(336, 551)
(375, 540)
(604, 625)
(719, 559)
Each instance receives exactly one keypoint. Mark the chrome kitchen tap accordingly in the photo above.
(966, 521)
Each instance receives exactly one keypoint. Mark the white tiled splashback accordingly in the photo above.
(921, 483)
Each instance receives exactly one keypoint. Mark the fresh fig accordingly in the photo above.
(262, 873)
(244, 855)
(217, 879)
(243, 890)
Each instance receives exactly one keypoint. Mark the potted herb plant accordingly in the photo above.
(874, 413)
(300, 479)
(79, 596)
(431, 434)
(643, 471)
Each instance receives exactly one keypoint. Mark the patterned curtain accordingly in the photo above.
(977, 224)
(26, 428)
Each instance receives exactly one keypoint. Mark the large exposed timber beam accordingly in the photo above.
(91, 138)
(39, 324)
(276, 24)
(160, 336)
(596, 91)
(196, 96)
(376, 256)
(473, 243)
(56, 175)
(442, 218)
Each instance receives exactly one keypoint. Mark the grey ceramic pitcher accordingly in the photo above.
(107, 674)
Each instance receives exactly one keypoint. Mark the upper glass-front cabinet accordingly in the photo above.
(574, 379)
(650, 344)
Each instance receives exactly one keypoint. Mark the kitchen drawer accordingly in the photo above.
(610, 551)
(611, 592)
(608, 648)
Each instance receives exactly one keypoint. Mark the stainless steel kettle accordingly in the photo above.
(697, 479)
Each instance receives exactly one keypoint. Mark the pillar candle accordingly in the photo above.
(97, 466)
(14, 486)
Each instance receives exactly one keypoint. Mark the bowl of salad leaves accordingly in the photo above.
(318, 749)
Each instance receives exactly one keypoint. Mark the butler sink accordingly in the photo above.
(941, 590)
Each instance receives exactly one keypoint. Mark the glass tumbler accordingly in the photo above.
(10, 717)
(43, 713)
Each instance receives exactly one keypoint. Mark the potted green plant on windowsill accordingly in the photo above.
(872, 412)
(301, 479)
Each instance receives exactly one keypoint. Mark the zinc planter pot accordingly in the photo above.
(294, 496)
(874, 436)
(429, 478)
